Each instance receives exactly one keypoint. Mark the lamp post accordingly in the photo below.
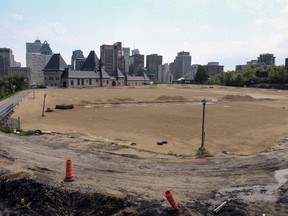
(44, 105)
(202, 148)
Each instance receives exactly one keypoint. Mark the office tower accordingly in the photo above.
(126, 51)
(152, 64)
(112, 57)
(136, 64)
(6, 60)
(213, 68)
(181, 63)
(37, 56)
(164, 74)
(77, 59)
(135, 51)
(266, 59)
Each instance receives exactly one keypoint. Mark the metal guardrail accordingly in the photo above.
(5, 112)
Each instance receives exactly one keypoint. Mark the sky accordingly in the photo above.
(230, 32)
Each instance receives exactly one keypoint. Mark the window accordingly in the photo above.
(90, 82)
(107, 82)
(72, 82)
(78, 81)
(96, 80)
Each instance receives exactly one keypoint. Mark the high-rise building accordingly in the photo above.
(112, 57)
(135, 51)
(136, 64)
(77, 59)
(152, 64)
(37, 56)
(126, 51)
(181, 63)
(213, 68)
(6, 60)
(266, 59)
(164, 74)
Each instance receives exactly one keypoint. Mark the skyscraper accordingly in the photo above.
(77, 59)
(6, 60)
(126, 51)
(37, 56)
(112, 57)
(266, 59)
(136, 63)
(152, 64)
(181, 63)
(213, 68)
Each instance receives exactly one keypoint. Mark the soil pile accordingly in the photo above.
(238, 98)
(170, 98)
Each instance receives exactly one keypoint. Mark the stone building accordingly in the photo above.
(92, 74)
(37, 56)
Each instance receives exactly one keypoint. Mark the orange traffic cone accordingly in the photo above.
(171, 200)
(69, 176)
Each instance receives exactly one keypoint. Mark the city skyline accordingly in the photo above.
(228, 32)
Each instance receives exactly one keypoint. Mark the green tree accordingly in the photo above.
(201, 75)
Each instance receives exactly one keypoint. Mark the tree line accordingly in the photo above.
(10, 84)
(250, 76)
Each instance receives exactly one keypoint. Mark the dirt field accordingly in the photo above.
(111, 136)
(239, 120)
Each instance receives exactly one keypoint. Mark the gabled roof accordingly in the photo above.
(91, 63)
(56, 63)
(105, 74)
(117, 73)
(142, 73)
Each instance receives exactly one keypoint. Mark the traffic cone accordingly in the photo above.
(69, 176)
(171, 200)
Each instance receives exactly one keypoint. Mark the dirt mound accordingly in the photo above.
(170, 98)
(238, 98)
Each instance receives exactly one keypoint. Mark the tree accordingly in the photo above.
(201, 75)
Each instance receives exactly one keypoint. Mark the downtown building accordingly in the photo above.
(6, 60)
(153, 62)
(136, 63)
(126, 52)
(77, 60)
(112, 57)
(180, 65)
(37, 56)
(213, 68)
(164, 74)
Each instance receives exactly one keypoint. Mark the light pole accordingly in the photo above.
(202, 148)
(44, 104)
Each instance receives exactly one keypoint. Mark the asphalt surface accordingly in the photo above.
(14, 99)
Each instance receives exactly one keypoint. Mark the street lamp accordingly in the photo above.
(202, 148)
(44, 105)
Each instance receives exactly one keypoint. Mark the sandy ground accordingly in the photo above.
(238, 120)
(246, 135)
